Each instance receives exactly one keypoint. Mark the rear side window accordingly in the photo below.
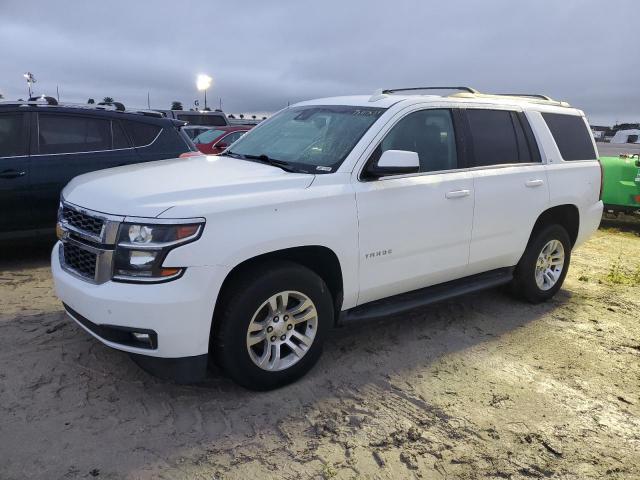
(493, 137)
(571, 135)
(208, 136)
(229, 139)
(11, 136)
(71, 134)
(141, 134)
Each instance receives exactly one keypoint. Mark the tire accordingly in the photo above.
(248, 305)
(525, 284)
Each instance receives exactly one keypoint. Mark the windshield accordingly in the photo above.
(312, 136)
(208, 136)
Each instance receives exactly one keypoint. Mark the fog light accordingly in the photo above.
(142, 337)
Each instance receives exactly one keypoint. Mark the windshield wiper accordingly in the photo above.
(286, 166)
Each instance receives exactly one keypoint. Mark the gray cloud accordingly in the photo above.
(265, 54)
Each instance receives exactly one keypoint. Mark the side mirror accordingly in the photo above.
(395, 162)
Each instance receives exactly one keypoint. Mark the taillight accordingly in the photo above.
(191, 154)
(601, 179)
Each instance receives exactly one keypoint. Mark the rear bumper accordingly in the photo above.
(176, 315)
(589, 222)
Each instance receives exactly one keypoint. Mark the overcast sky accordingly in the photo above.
(263, 54)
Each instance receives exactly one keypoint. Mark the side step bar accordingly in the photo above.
(425, 296)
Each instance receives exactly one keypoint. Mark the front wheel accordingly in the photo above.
(272, 326)
(543, 267)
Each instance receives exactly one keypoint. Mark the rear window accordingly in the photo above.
(208, 136)
(11, 137)
(571, 135)
(209, 120)
(141, 134)
(70, 134)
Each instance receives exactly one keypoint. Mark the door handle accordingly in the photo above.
(12, 174)
(533, 183)
(458, 193)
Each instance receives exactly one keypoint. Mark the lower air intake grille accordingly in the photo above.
(80, 260)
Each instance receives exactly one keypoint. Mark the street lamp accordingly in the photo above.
(30, 81)
(203, 82)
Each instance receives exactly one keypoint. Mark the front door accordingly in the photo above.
(415, 230)
(69, 145)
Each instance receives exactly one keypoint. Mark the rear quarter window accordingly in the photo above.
(141, 134)
(571, 135)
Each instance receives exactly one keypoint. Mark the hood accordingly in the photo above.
(148, 189)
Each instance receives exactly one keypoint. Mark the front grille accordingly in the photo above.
(82, 221)
(79, 260)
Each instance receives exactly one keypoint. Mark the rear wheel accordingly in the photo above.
(543, 267)
(272, 326)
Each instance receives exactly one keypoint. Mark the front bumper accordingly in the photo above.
(179, 312)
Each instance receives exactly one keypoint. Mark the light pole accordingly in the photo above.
(30, 81)
(203, 82)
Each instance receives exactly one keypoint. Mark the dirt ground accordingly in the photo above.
(478, 387)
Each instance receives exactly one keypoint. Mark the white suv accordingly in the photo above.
(333, 209)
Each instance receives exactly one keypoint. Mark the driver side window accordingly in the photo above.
(430, 134)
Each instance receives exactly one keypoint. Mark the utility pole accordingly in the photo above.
(57, 93)
(148, 101)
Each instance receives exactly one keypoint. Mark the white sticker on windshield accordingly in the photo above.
(324, 169)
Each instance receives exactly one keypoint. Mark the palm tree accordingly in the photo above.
(91, 101)
(253, 116)
(242, 115)
(1, 96)
(107, 99)
(231, 115)
(175, 105)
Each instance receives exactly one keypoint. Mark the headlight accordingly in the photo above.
(142, 248)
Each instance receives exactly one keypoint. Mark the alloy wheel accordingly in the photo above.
(282, 330)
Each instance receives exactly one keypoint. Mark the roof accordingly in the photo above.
(92, 109)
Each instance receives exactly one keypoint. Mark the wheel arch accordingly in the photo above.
(320, 259)
(566, 215)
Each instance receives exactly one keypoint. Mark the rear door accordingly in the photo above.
(68, 145)
(15, 208)
(510, 183)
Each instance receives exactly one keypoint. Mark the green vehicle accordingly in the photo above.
(621, 187)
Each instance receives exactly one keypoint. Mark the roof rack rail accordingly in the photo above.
(532, 95)
(468, 92)
(41, 98)
(394, 90)
(117, 105)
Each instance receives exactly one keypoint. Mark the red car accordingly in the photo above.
(214, 141)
